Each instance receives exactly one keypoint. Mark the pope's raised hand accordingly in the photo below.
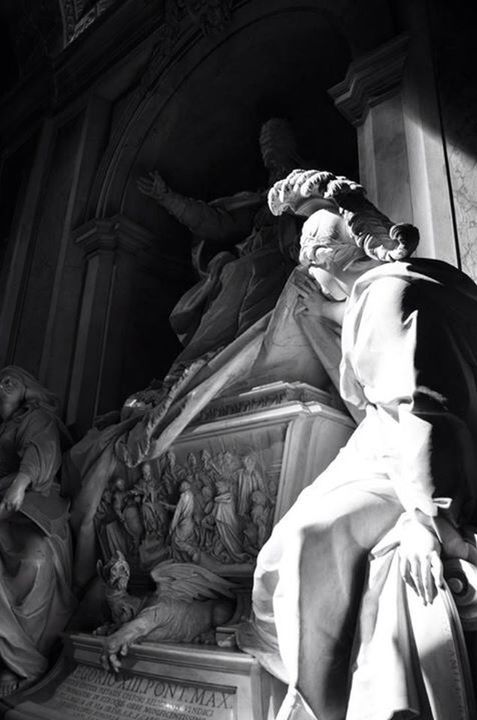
(153, 185)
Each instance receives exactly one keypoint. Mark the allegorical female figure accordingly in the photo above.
(229, 546)
(352, 641)
(182, 529)
(249, 479)
(35, 552)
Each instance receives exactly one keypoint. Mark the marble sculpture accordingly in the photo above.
(351, 607)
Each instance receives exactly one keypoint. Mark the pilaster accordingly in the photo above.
(389, 96)
(111, 247)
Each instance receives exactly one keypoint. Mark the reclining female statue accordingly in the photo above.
(35, 554)
(350, 605)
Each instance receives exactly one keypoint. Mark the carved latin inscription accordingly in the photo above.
(90, 692)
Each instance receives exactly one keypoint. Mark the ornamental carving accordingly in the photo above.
(80, 14)
(209, 16)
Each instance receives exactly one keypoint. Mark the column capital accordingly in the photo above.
(370, 79)
(114, 233)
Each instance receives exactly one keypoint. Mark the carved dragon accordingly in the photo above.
(189, 602)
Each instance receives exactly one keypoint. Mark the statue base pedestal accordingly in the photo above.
(168, 682)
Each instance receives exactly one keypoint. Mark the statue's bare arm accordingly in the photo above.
(211, 222)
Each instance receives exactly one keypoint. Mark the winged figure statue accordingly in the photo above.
(189, 602)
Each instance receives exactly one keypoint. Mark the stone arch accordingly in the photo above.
(165, 91)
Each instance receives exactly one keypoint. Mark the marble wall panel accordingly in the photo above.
(453, 34)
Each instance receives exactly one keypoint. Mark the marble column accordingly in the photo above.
(112, 247)
(389, 96)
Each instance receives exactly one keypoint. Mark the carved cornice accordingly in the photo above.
(121, 234)
(111, 234)
(208, 16)
(277, 394)
(371, 79)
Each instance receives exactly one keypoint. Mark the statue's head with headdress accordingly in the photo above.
(343, 227)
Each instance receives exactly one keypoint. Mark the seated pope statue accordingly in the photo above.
(351, 608)
(244, 255)
(237, 325)
(236, 240)
(35, 549)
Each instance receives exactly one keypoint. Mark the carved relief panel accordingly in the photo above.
(210, 501)
(214, 497)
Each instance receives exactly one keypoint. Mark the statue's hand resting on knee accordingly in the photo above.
(420, 561)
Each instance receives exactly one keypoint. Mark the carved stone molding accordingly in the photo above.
(76, 20)
(110, 234)
(370, 80)
(208, 15)
(262, 397)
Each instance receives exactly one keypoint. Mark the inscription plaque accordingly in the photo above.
(159, 682)
(92, 692)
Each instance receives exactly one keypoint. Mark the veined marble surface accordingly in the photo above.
(454, 36)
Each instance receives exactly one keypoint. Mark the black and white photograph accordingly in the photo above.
(238, 360)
